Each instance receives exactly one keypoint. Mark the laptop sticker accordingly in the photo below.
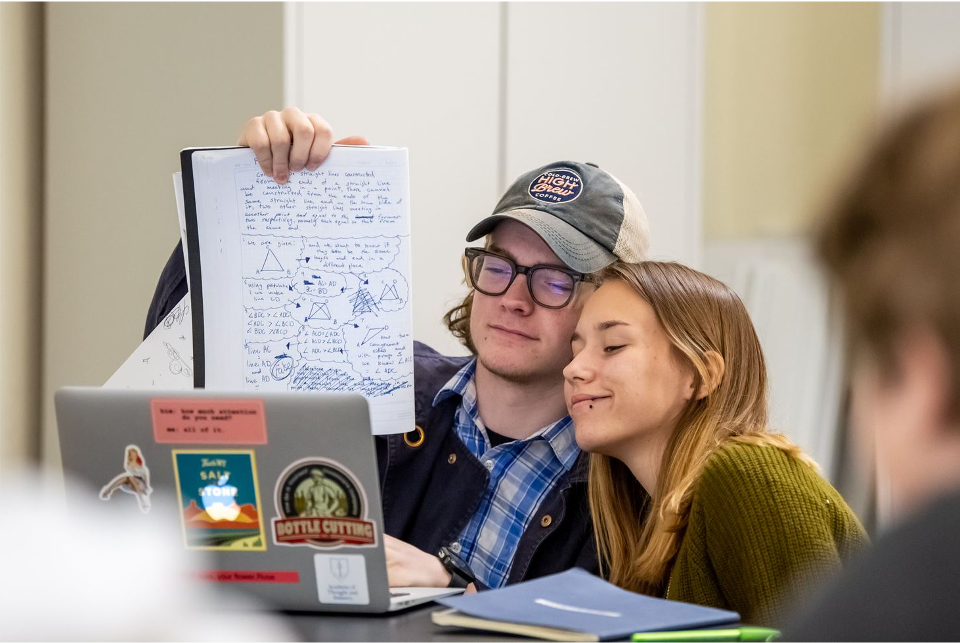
(219, 500)
(248, 576)
(208, 421)
(342, 579)
(321, 504)
(134, 480)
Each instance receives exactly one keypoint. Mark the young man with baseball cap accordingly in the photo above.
(490, 486)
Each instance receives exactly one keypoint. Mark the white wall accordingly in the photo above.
(920, 48)
(482, 92)
(617, 84)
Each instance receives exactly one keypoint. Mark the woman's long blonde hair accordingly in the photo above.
(638, 535)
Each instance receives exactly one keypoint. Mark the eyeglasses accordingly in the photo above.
(493, 274)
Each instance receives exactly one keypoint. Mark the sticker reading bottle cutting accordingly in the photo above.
(322, 505)
(219, 500)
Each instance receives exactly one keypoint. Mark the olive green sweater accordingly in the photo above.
(764, 530)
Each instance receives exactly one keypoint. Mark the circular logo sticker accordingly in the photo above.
(321, 504)
(559, 185)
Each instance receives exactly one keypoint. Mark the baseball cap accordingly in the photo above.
(585, 214)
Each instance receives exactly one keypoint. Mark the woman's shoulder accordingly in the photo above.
(735, 455)
(761, 474)
(763, 487)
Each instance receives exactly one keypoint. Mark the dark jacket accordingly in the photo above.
(431, 490)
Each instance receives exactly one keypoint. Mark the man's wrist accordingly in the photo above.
(460, 573)
(443, 577)
(457, 582)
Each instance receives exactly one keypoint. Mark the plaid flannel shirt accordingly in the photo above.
(522, 472)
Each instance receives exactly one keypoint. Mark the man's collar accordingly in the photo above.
(559, 435)
(457, 384)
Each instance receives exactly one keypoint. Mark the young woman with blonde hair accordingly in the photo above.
(692, 496)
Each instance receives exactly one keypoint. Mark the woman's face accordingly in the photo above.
(625, 387)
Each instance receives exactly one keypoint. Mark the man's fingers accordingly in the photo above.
(279, 145)
(290, 141)
(353, 140)
(395, 571)
(322, 135)
(301, 129)
(254, 135)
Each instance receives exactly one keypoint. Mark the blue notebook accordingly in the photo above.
(574, 605)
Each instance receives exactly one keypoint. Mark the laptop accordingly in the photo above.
(277, 493)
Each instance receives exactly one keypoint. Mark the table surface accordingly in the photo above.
(408, 625)
(412, 624)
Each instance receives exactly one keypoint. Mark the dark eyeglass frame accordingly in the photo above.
(470, 254)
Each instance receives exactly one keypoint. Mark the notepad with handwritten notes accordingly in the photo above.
(305, 285)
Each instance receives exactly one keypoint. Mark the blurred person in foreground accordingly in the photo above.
(892, 248)
(75, 569)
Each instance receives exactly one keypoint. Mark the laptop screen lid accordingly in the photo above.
(276, 494)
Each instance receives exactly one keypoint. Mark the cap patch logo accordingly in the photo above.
(321, 505)
(559, 185)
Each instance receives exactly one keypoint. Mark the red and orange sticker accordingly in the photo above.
(208, 421)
